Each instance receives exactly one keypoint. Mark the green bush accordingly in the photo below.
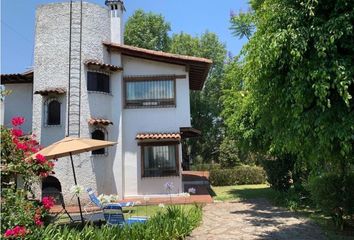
(204, 166)
(229, 156)
(237, 176)
(279, 172)
(333, 195)
(174, 223)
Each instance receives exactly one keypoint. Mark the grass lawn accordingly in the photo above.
(239, 192)
(135, 211)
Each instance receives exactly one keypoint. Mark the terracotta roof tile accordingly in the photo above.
(158, 136)
(47, 91)
(198, 68)
(96, 63)
(96, 121)
(14, 78)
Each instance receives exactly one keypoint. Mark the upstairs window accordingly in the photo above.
(160, 160)
(98, 82)
(150, 93)
(53, 113)
(98, 134)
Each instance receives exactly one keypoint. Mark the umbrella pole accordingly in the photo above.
(78, 198)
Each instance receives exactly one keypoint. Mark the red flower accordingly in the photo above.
(22, 146)
(16, 132)
(37, 220)
(17, 121)
(41, 159)
(16, 232)
(50, 164)
(44, 174)
(48, 202)
(9, 233)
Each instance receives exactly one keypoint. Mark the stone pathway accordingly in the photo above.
(253, 219)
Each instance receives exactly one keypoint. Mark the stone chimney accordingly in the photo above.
(116, 9)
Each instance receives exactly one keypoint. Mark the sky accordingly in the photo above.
(189, 16)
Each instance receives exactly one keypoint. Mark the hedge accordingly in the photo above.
(237, 176)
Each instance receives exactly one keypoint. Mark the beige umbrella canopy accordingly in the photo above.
(70, 146)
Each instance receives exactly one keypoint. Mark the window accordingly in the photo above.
(160, 160)
(53, 113)
(98, 135)
(149, 93)
(98, 82)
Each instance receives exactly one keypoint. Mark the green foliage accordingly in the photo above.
(237, 176)
(17, 211)
(279, 172)
(242, 25)
(205, 104)
(174, 223)
(147, 30)
(229, 153)
(334, 195)
(297, 80)
(204, 166)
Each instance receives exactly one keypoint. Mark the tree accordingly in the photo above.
(147, 30)
(298, 77)
(205, 104)
(242, 25)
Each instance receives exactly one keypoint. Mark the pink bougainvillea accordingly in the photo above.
(17, 132)
(17, 121)
(40, 159)
(18, 231)
(48, 202)
(18, 148)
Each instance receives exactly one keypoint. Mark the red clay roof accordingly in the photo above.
(96, 63)
(51, 90)
(25, 77)
(158, 136)
(198, 68)
(96, 121)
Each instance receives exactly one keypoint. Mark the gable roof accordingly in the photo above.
(25, 77)
(198, 68)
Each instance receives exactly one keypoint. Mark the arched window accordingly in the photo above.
(52, 187)
(99, 135)
(53, 113)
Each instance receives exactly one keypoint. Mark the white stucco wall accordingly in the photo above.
(51, 59)
(152, 120)
(117, 172)
(19, 103)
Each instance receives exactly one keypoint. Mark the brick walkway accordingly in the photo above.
(253, 219)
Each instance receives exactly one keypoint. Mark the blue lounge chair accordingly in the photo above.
(113, 212)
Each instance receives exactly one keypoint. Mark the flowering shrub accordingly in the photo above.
(19, 215)
(107, 198)
(16, 152)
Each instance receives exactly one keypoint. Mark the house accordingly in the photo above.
(85, 82)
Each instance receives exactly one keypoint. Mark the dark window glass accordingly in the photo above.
(150, 93)
(98, 135)
(53, 113)
(160, 161)
(98, 82)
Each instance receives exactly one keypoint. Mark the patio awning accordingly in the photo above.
(189, 132)
(99, 121)
(158, 137)
(95, 64)
(48, 91)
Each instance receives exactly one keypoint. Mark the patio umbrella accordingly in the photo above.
(70, 146)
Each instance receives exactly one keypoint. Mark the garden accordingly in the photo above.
(25, 217)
